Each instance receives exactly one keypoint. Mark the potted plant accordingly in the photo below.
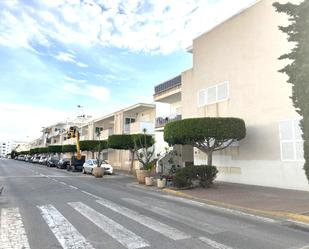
(98, 171)
(145, 151)
(161, 182)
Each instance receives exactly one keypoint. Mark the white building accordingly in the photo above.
(7, 146)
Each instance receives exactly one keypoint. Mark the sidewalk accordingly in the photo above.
(291, 204)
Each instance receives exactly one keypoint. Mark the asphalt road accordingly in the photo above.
(48, 208)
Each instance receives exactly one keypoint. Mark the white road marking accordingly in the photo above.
(232, 211)
(63, 183)
(71, 186)
(92, 195)
(64, 231)
(12, 231)
(177, 217)
(214, 244)
(118, 232)
(155, 225)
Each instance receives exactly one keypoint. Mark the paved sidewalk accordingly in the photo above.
(255, 197)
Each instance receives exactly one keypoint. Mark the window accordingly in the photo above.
(291, 142)
(213, 94)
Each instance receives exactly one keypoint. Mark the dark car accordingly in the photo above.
(63, 163)
(52, 161)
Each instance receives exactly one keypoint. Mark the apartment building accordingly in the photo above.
(131, 120)
(235, 74)
(7, 146)
(169, 93)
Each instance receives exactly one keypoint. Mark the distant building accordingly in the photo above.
(6, 146)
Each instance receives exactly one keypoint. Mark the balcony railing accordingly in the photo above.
(160, 121)
(168, 84)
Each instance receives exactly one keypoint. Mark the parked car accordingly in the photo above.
(63, 163)
(27, 158)
(42, 159)
(36, 159)
(21, 157)
(52, 161)
(91, 163)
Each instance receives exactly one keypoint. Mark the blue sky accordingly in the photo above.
(101, 54)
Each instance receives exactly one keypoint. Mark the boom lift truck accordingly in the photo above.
(77, 161)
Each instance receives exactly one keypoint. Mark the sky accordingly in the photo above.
(101, 54)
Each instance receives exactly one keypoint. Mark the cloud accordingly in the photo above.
(154, 26)
(69, 57)
(33, 118)
(97, 92)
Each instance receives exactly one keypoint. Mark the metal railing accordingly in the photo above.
(168, 84)
(160, 121)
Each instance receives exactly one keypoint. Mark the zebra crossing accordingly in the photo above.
(13, 233)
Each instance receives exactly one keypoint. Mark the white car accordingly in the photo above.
(90, 163)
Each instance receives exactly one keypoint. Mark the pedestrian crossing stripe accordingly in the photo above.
(13, 234)
(12, 231)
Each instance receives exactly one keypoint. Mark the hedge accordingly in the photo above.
(69, 148)
(55, 148)
(188, 131)
(93, 145)
(126, 141)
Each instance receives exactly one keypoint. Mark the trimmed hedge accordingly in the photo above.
(126, 141)
(55, 148)
(69, 148)
(204, 174)
(93, 145)
(189, 131)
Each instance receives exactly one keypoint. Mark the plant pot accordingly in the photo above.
(98, 172)
(148, 181)
(161, 183)
(141, 174)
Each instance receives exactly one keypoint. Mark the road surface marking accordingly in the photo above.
(118, 232)
(92, 195)
(63, 183)
(177, 217)
(71, 186)
(12, 231)
(157, 226)
(232, 211)
(214, 244)
(64, 231)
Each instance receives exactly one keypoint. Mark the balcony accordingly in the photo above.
(161, 122)
(168, 85)
(138, 127)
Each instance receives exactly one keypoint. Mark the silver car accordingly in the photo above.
(91, 163)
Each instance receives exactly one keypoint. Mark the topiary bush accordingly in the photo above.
(207, 134)
(205, 174)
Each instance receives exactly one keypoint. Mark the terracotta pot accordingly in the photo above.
(148, 181)
(98, 172)
(140, 175)
(161, 183)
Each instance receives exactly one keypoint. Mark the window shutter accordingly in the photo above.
(287, 151)
(202, 97)
(286, 130)
(211, 95)
(223, 91)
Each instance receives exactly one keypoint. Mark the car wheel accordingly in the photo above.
(84, 172)
(91, 171)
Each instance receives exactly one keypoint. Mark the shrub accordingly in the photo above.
(55, 148)
(205, 174)
(68, 148)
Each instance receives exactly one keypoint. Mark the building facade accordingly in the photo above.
(235, 74)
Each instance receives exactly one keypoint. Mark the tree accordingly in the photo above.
(14, 154)
(298, 69)
(207, 134)
(126, 142)
(55, 149)
(42, 150)
(93, 146)
(68, 148)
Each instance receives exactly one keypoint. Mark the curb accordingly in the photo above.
(274, 214)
